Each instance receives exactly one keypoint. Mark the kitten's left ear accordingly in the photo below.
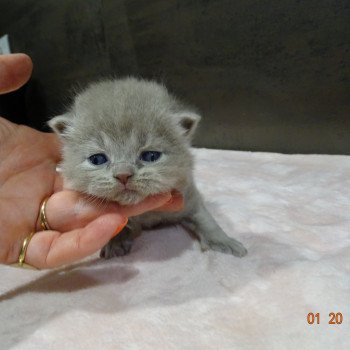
(188, 122)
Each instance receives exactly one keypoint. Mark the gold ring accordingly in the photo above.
(44, 225)
(43, 220)
(22, 254)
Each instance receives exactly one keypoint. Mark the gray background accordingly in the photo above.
(266, 75)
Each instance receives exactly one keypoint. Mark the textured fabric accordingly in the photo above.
(291, 212)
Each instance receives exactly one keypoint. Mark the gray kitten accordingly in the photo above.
(124, 140)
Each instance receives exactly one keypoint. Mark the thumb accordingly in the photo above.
(15, 71)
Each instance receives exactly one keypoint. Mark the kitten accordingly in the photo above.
(124, 140)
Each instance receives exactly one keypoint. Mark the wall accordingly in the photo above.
(266, 75)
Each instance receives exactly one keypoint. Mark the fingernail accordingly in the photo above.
(121, 226)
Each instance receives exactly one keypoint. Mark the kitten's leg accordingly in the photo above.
(211, 235)
(121, 244)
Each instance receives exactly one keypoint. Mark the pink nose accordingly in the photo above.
(123, 178)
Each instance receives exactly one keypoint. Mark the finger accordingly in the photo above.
(15, 71)
(176, 203)
(68, 210)
(58, 185)
(48, 249)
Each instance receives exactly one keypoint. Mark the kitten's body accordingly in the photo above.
(142, 135)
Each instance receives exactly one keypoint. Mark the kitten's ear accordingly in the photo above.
(188, 122)
(61, 124)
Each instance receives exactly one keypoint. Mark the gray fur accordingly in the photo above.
(122, 118)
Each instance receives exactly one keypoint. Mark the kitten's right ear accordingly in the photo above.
(61, 124)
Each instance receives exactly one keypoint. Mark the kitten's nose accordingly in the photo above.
(123, 178)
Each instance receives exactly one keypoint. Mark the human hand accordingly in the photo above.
(28, 174)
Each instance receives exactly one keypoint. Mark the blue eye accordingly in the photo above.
(150, 156)
(98, 159)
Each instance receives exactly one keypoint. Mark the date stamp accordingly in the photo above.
(333, 318)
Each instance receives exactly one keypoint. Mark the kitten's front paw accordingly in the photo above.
(116, 247)
(227, 246)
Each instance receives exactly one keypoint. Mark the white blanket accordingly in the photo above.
(291, 212)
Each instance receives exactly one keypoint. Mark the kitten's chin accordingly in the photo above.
(128, 197)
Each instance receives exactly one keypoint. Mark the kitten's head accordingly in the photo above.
(126, 139)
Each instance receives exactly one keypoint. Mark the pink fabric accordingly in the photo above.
(291, 212)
